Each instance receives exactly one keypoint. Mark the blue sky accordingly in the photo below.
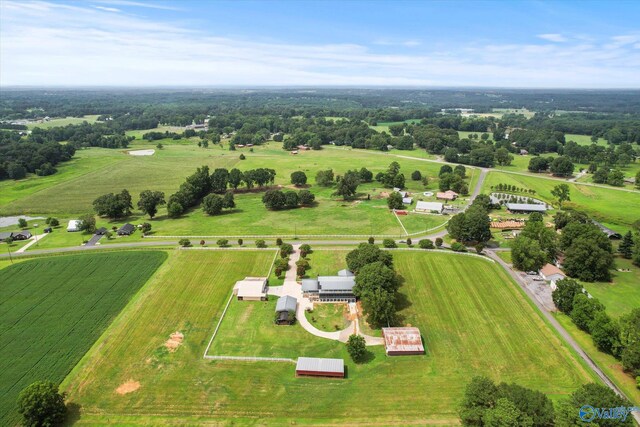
(568, 44)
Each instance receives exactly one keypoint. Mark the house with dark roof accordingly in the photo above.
(101, 231)
(606, 230)
(22, 235)
(126, 230)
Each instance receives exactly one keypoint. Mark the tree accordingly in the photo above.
(185, 243)
(527, 254)
(306, 248)
(42, 404)
(279, 241)
(240, 242)
(298, 178)
(561, 193)
(596, 396)
(409, 241)
(587, 261)
(439, 242)
(113, 205)
(371, 240)
(425, 244)
(605, 333)
(367, 253)
(480, 395)
(223, 243)
(149, 202)
(348, 185)
(473, 225)
(325, 178)
(228, 201)
(389, 243)
(365, 175)
(356, 346)
(306, 197)
(174, 210)
(379, 306)
(538, 164)
(373, 276)
(291, 199)
(615, 178)
(54, 222)
(416, 175)
(88, 223)
(212, 204)
(146, 228)
(394, 201)
(460, 170)
(22, 223)
(584, 311)
(274, 199)
(638, 180)
(565, 293)
(261, 243)
(242, 156)
(286, 249)
(626, 246)
(505, 413)
(445, 169)
(235, 178)
(562, 166)
(503, 157)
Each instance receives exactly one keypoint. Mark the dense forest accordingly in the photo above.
(298, 117)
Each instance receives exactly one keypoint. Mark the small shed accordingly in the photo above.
(101, 231)
(319, 367)
(402, 341)
(285, 310)
(74, 225)
(126, 230)
(251, 289)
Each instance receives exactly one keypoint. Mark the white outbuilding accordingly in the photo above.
(74, 225)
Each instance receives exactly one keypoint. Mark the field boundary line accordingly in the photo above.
(226, 307)
(445, 251)
(275, 236)
(251, 358)
(401, 224)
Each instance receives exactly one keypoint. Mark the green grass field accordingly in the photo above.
(614, 208)
(328, 317)
(584, 139)
(622, 294)
(64, 122)
(609, 364)
(71, 191)
(53, 310)
(472, 317)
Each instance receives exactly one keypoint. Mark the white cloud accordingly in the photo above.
(55, 44)
(148, 5)
(556, 38)
(108, 9)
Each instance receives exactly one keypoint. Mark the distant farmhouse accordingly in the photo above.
(447, 195)
(330, 288)
(126, 230)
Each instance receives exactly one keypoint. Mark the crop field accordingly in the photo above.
(54, 309)
(64, 121)
(472, 317)
(613, 207)
(99, 171)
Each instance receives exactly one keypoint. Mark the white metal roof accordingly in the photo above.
(526, 207)
(251, 287)
(316, 364)
(429, 206)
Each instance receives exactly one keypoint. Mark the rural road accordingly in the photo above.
(561, 330)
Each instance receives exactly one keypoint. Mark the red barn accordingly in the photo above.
(319, 367)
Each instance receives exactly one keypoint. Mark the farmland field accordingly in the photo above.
(622, 294)
(71, 191)
(613, 207)
(54, 309)
(64, 121)
(472, 317)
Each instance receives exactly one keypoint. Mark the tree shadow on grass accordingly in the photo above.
(73, 413)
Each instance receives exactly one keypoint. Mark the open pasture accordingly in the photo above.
(622, 294)
(615, 208)
(473, 319)
(63, 122)
(53, 310)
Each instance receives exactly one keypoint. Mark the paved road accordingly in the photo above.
(561, 330)
(93, 240)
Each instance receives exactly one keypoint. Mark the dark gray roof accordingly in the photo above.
(24, 233)
(336, 283)
(5, 235)
(127, 228)
(316, 364)
(529, 207)
(286, 303)
(310, 285)
(606, 230)
(345, 273)
(101, 230)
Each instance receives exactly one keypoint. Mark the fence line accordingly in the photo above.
(251, 358)
(446, 251)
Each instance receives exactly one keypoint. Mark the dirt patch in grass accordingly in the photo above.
(174, 341)
(128, 387)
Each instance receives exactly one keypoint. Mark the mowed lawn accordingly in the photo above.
(622, 294)
(53, 309)
(473, 320)
(615, 208)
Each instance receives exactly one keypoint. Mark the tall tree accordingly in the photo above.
(149, 202)
(561, 193)
(348, 185)
(626, 246)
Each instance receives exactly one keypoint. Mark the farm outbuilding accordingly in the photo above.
(319, 367)
(402, 341)
(526, 207)
(284, 307)
(22, 235)
(551, 273)
(429, 207)
(330, 288)
(74, 225)
(251, 289)
(447, 195)
(606, 230)
(101, 231)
